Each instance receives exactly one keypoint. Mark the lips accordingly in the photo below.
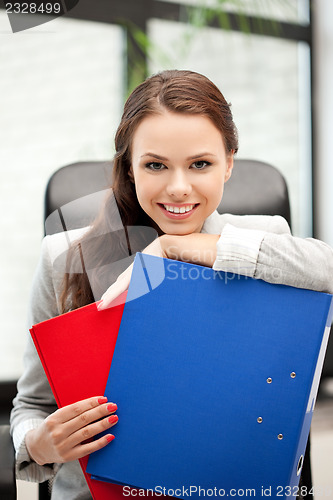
(178, 211)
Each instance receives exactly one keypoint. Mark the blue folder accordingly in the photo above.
(215, 376)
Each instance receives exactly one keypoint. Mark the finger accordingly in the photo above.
(70, 412)
(88, 417)
(116, 289)
(82, 450)
(91, 430)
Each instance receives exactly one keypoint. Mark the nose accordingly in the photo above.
(179, 185)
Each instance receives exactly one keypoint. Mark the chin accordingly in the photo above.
(180, 230)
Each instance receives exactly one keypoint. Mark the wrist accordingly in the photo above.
(171, 246)
(197, 248)
(31, 444)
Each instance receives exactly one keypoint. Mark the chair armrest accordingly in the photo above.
(7, 465)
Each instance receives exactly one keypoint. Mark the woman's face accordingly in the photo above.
(179, 167)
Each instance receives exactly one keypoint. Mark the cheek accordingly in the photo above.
(145, 190)
(213, 188)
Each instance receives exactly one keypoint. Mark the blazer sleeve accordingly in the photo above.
(272, 254)
(34, 400)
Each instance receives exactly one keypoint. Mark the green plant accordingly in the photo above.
(247, 16)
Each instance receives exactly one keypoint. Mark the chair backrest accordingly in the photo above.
(254, 188)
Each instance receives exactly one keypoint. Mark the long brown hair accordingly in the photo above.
(174, 90)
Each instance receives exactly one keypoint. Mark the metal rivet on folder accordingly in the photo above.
(293, 374)
(259, 420)
(280, 436)
(269, 380)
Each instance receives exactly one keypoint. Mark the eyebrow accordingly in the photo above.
(194, 157)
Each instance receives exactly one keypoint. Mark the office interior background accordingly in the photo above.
(63, 84)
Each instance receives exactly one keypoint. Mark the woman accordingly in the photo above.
(174, 151)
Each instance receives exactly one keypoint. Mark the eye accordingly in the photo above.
(201, 164)
(155, 166)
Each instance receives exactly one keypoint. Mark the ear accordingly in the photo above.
(130, 174)
(230, 165)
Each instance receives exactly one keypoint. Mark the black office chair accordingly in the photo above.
(254, 188)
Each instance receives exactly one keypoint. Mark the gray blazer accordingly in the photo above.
(257, 246)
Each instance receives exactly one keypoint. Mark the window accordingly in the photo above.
(63, 89)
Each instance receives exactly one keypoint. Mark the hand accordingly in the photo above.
(197, 248)
(123, 280)
(60, 438)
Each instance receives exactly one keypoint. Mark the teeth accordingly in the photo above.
(178, 210)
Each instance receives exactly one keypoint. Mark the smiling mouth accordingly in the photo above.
(178, 211)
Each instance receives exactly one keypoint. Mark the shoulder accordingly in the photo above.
(48, 278)
(215, 223)
(58, 244)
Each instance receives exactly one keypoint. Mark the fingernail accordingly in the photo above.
(102, 400)
(113, 419)
(112, 407)
(109, 437)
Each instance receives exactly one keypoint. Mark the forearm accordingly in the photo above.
(276, 258)
(34, 401)
(303, 263)
(197, 248)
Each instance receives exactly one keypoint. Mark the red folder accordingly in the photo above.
(76, 351)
